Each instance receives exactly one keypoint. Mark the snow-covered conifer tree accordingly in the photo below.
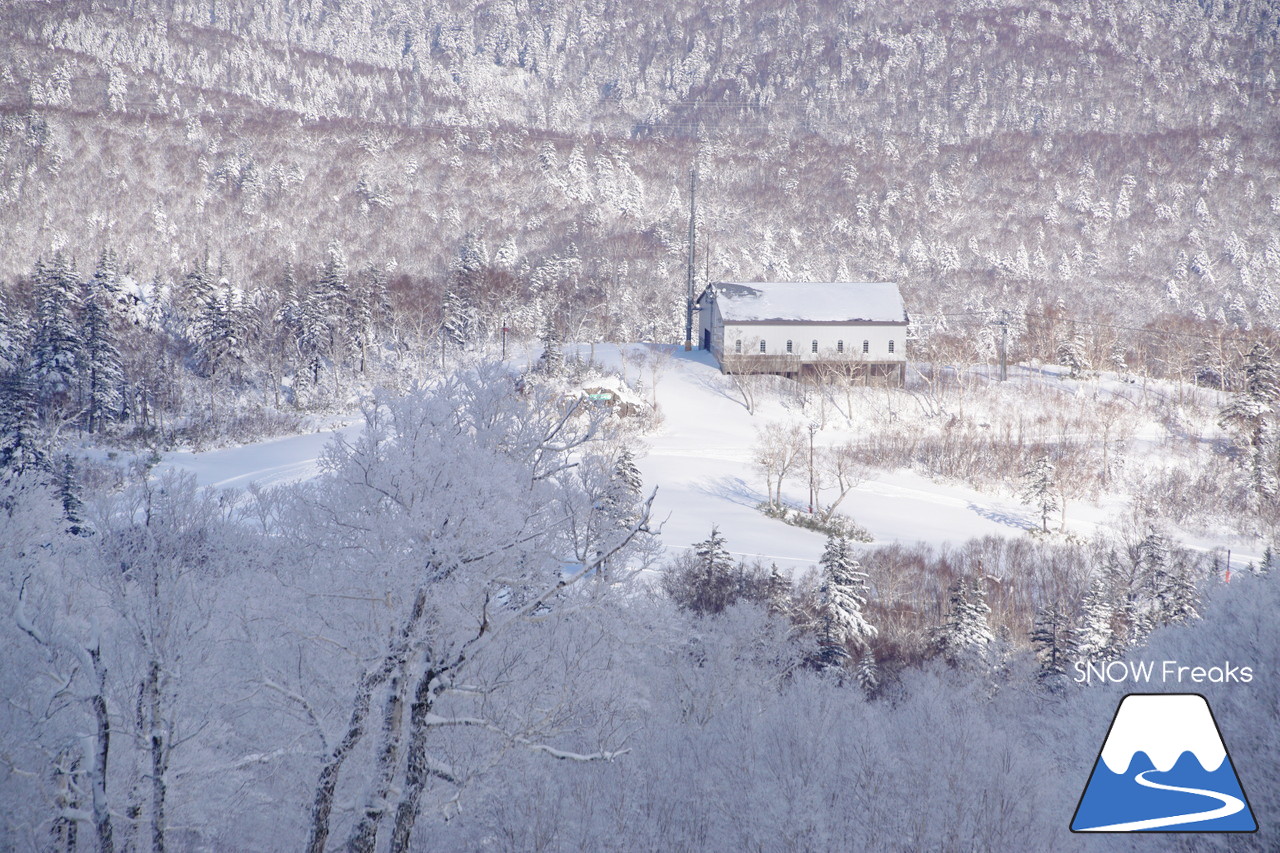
(214, 322)
(841, 598)
(332, 304)
(1050, 637)
(1183, 598)
(67, 485)
(218, 330)
(507, 254)
(459, 309)
(14, 333)
(20, 447)
(777, 592)
(622, 494)
(964, 638)
(1253, 414)
(867, 673)
(552, 359)
(1094, 640)
(712, 584)
(1039, 489)
(197, 290)
(56, 350)
(1071, 354)
(578, 185)
(368, 306)
(313, 321)
(1153, 572)
(456, 317)
(103, 374)
(1205, 368)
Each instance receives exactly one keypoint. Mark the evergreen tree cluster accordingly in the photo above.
(965, 637)
(709, 581)
(1125, 602)
(107, 354)
(1133, 591)
(62, 363)
(830, 616)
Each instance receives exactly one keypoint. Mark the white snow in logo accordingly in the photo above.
(1163, 726)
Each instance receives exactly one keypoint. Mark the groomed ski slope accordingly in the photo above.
(267, 463)
(699, 460)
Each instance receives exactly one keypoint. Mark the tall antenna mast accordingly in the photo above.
(693, 214)
(706, 263)
(1003, 323)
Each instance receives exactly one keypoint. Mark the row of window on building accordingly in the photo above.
(813, 346)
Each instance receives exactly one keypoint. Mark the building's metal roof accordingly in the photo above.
(817, 302)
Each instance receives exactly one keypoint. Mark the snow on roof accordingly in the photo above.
(829, 301)
(624, 392)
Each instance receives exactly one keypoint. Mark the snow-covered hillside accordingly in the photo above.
(700, 461)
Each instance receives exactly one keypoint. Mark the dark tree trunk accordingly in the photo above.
(364, 835)
(101, 812)
(419, 768)
(322, 806)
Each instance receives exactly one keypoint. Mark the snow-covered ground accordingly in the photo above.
(700, 462)
(271, 462)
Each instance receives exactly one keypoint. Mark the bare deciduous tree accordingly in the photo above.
(780, 449)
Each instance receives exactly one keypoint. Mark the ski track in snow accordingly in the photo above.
(276, 474)
(274, 461)
(1230, 805)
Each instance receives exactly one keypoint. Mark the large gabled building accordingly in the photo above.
(792, 328)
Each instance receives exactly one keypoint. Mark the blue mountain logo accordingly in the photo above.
(1163, 768)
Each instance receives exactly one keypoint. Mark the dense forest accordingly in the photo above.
(1102, 178)
(451, 637)
(990, 156)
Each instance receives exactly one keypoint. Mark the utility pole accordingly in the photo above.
(706, 258)
(813, 427)
(693, 213)
(1003, 323)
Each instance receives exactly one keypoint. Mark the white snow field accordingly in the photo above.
(271, 462)
(700, 461)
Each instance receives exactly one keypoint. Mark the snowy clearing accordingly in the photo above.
(699, 460)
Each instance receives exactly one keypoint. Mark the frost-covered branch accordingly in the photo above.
(302, 702)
